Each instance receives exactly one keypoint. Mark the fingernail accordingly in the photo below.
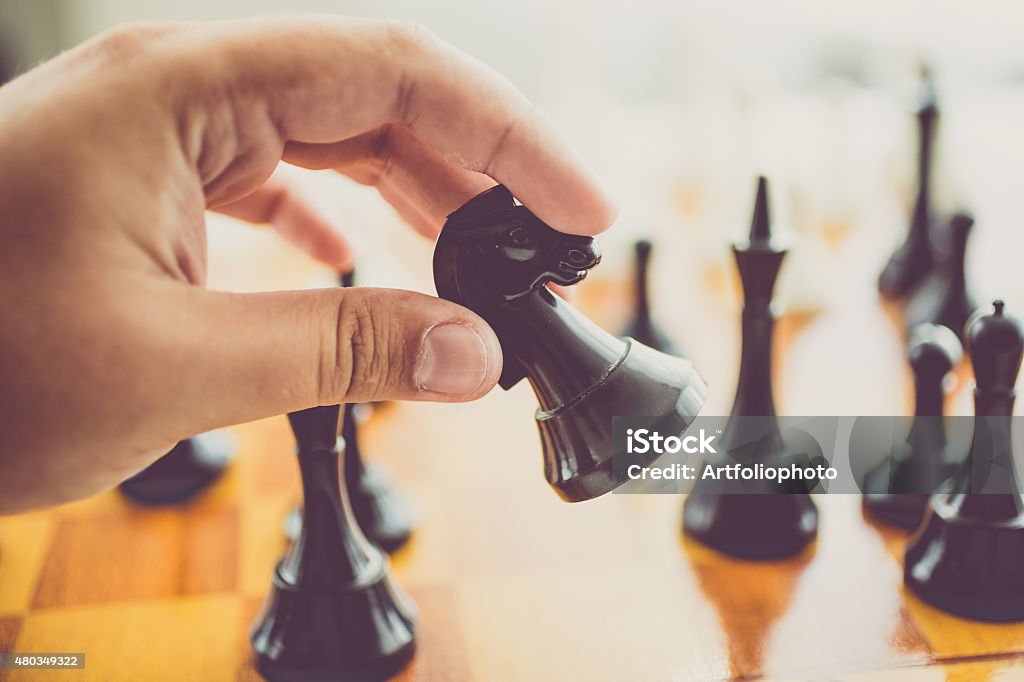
(453, 360)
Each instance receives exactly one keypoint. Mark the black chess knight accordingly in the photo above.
(334, 612)
(495, 257)
(773, 521)
(967, 557)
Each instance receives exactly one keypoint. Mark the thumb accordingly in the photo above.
(249, 356)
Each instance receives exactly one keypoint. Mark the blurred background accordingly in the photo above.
(678, 105)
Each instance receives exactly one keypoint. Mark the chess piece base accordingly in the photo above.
(191, 466)
(577, 437)
(354, 633)
(968, 568)
(759, 527)
(903, 510)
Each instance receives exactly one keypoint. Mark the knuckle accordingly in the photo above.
(411, 36)
(362, 360)
(126, 40)
(382, 152)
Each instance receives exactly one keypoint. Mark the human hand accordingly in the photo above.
(111, 348)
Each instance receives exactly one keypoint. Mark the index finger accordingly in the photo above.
(325, 79)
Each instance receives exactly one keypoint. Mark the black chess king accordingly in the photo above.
(496, 257)
(772, 521)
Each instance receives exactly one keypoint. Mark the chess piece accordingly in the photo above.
(767, 520)
(898, 489)
(943, 297)
(495, 257)
(190, 466)
(334, 611)
(912, 261)
(384, 515)
(641, 327)
(967, 557)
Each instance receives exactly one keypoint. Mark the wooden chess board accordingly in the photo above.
(512, 583)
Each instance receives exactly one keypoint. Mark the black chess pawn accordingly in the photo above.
(898, 489)
(334, 612)
(967, 557)
(944, 297)
(767, 520)
(495, 257)
(912, 261)
(189, 467)
(641, 326)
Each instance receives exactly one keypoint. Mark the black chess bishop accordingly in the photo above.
(915, 257)
(641, 325)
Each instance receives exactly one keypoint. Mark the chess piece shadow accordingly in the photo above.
(967, 557)
(495, 257)
(943, 297)
(749, 599)
(190, 467)
(761, 520)
(641, 326)
(898, 489)
(334, 612)
(915, 257)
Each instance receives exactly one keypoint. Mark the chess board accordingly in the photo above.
(512, 583)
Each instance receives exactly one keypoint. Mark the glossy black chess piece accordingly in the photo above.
(641, 325)
(190, 466)
(384, 515)
(768, 520)
(495, 257)
(334, 612)
(898, 489)
(944, 297)
(967, 557)
(915, 257)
